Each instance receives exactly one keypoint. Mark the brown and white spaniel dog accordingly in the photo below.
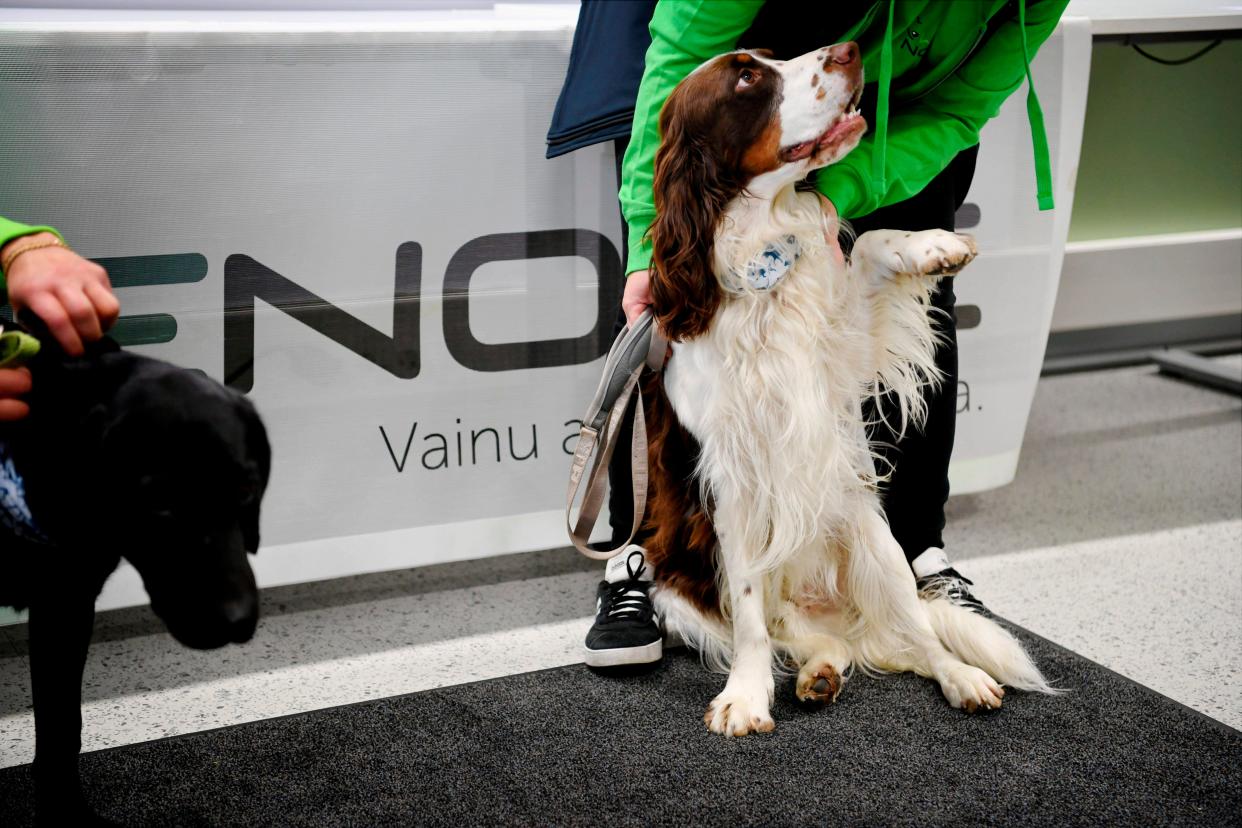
(765, 528)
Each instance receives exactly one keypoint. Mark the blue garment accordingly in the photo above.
(605, 67)
(15, 517)
(609, 54)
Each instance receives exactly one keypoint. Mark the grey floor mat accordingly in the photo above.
(567, 747)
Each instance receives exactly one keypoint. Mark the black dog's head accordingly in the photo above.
(185, 463)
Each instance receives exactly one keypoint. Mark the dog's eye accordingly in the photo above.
(746, 77)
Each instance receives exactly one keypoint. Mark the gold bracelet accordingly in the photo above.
(7, 263)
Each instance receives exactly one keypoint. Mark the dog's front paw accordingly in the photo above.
(969, 688)
(819, 684)
(738, 714)
(938, 253)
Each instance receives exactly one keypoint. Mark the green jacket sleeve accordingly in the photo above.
(684, 33)
(10, 230)
(925, 135)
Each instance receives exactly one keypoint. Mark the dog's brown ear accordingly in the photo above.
(691, 191)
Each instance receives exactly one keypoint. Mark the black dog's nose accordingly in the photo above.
(241, 616)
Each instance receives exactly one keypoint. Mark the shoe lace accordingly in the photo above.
(628, 598)
(952, 585)
(956, 578)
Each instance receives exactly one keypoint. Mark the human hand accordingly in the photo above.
(637, 298)
(832, 229)
(14, 382)
(72, 295)
(637, 295)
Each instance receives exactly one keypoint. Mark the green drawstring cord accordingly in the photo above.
(880, 158)
(1035, 114)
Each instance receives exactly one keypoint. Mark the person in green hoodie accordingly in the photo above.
(72, 296)
(937, 71)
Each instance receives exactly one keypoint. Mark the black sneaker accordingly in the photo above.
(626, 630)
(935, 578)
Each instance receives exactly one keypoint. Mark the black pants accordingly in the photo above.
(918, 485)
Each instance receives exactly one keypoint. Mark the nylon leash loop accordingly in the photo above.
(637, 347)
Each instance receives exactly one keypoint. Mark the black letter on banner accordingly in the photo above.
(246, 280)
(542, 353)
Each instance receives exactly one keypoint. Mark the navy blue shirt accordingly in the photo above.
(605, 68)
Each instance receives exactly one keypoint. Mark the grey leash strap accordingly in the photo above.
(638, 346)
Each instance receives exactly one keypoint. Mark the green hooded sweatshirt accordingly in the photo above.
(943, 69)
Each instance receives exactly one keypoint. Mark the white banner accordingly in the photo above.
(360, 229)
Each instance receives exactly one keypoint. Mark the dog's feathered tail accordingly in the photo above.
(985, 644)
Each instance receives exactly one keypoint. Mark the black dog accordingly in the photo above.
(124, 457)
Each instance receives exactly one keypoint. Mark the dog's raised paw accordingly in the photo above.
(970, 689)
(818, 684)
(735, 715)
(939, 253)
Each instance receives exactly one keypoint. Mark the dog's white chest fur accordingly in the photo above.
(772, 391)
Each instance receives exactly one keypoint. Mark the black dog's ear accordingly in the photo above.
(259, 455)
(250, 520)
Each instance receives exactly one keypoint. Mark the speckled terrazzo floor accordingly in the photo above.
(1121, 538)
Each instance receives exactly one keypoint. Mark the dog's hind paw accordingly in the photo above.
(818, 684)
(970, 689)
(734, 714)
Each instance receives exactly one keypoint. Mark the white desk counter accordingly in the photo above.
(1119, 17)
(366, 164)
(1155, 203)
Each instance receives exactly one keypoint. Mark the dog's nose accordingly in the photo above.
(843, 54)
(241, 616)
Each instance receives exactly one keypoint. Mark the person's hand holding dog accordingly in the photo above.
(832, 229)
(72, 296)
(637, 295)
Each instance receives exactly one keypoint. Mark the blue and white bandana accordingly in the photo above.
(770, 266)
(15, 517)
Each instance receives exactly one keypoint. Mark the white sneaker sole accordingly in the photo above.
(646, 654)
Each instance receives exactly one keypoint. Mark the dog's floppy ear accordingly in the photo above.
(691, 192)
(259, 457)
